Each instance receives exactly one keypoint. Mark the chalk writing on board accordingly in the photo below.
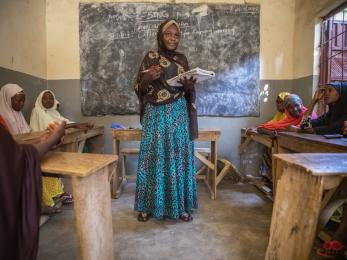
(114, 38)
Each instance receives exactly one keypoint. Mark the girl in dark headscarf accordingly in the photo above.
(335, 96)
(166, 185)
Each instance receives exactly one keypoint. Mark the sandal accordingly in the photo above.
(47, 210)
(186, 217)
(143, 217)
(331, 249)
(65, 198)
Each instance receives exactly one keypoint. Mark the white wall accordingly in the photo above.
(23, 36)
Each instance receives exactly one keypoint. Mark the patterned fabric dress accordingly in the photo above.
(166, 184)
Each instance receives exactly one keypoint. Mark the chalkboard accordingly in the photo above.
(114, 38)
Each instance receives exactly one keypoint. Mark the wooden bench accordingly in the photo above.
(205, 153)
(202, 153)
(302, 178)
(120, 135)
(90, 174)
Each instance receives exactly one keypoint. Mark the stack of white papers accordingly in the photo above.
(197, 73)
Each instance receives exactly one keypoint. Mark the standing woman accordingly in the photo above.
(166, 185)
(12, 101)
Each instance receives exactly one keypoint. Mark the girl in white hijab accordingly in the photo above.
(45, 112)
(12, 100)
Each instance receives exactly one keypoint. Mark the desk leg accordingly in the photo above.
(92, 204)
(277, 171)
(116, 183)
(96, 144)
(72, 147)
(295, 215)
(213, 175)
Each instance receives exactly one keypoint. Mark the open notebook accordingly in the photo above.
(197, 73)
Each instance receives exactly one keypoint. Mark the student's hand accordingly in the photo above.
(249, 131)
(273, 134)
(319, 94)
(52, 126)
(307, 130)
(56, 131)
(52, 138)
(188, 84)
(44, 136)
(293, 128)
(152, 74)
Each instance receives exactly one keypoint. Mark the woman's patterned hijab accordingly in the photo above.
(160, 37)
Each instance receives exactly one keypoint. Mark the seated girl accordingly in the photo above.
(335, 96)
(294, 112)
(46, 112)
(43, 114)
(280, 115)
(12, 100)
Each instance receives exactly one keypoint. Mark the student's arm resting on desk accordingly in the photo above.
(321, 121)
(271, 133)
(321, 126)
(334, 128)
(51, 138)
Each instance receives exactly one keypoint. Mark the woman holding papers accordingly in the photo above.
(166, 185)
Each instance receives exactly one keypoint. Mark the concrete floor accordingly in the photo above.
(235, 226)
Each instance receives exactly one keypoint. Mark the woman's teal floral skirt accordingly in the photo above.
(166, 185)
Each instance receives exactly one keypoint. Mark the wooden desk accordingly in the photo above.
(260, 138)
(253, 151)
(289, 142)
(73, 141)
(212, 136)
(92, 201)
(309, 143)
(298, 201)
